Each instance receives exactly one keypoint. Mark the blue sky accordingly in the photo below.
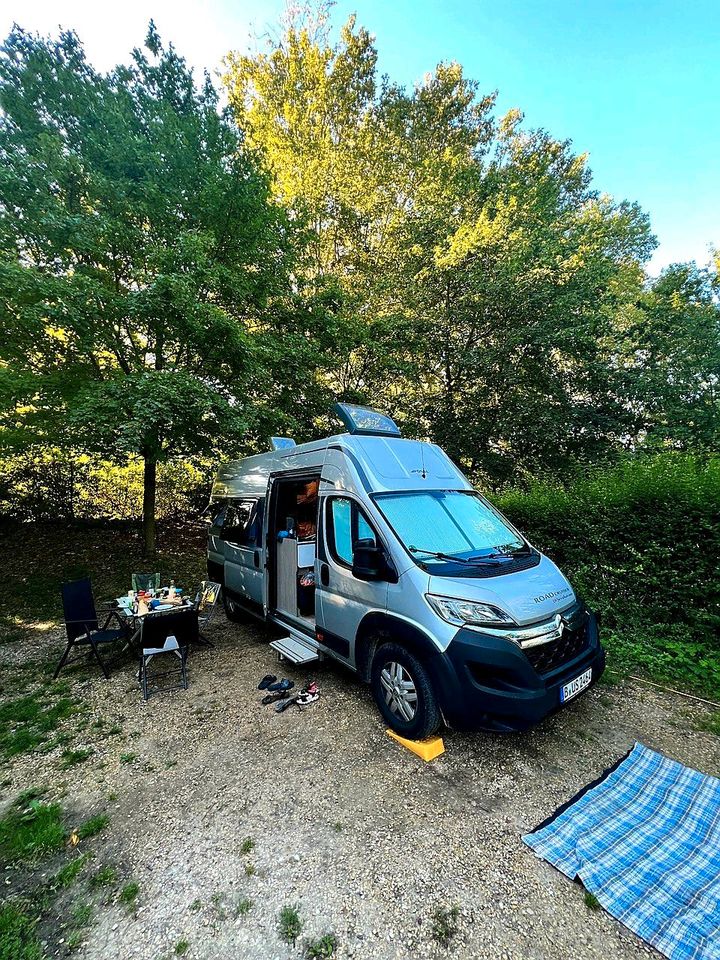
(634, 84)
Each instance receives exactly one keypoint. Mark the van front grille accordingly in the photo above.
(550, 656)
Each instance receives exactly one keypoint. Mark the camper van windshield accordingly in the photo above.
(450, 523)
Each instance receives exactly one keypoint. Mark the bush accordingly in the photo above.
(641, 543)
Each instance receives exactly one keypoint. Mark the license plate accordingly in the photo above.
(576, 686)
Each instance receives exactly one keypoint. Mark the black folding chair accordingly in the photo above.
(169, 632)
(81, 624)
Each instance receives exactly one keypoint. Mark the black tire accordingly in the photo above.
(233, 610)
(425, 719)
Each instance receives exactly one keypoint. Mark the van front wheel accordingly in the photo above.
(403, 692)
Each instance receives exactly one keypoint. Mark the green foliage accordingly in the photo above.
(641, 543)
(68, 874)
(591, 901)
(243, 907)
(30, 830)
(248, 845)
(181, 948)
(129, 894)
(27, 721)
(289, 924)
(71, 758)
(444, 924)
(324, 946)
(141, 250)
(93, 825)
(105, 877)
(18, 940)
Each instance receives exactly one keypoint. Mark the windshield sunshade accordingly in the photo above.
(449, 522)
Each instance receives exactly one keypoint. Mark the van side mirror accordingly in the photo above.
(368, 560)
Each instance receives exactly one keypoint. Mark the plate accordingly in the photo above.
(576, 686)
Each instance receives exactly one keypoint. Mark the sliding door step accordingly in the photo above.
(295, 649)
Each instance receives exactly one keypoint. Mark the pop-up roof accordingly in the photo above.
(363, 420)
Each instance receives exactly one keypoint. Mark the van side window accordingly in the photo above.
(241, 522)
(346, 525)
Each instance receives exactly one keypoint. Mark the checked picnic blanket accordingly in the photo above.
(645, 840)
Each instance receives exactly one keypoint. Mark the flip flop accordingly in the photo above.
(284, 704)
(272, 697)
(266, 681)
(283, 684)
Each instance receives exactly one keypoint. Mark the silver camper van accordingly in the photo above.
(376, 551)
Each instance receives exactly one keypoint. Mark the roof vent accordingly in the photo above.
(282, 443)
(363, 420)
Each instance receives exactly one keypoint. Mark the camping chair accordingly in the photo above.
(81, 624)
(166, 633)
(205, 601)
(145, 581)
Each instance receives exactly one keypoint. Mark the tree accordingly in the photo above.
(483, 278)
(141, 257)
(671, 358)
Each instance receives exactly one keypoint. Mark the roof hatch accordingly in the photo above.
(363, 420)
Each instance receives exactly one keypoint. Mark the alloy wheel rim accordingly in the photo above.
(399, 690)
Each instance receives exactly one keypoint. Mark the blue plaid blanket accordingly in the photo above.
(645, 839)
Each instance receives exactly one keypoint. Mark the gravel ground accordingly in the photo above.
(366, 839)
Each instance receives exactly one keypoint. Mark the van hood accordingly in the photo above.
(528, 595)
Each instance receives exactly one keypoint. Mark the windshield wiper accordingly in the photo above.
(489, 561)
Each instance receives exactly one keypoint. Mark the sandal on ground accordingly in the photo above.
(311, 687)
(305, 698)
(272, 697)
(284, 704)
(283, 684)
(266, 681)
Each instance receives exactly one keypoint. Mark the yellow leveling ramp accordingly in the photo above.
(426, 749)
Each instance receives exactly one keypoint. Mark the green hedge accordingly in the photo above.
(641, 543)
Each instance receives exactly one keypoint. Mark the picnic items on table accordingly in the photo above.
(644, 839)
(81, 624)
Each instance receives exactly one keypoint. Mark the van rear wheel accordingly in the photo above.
(402, 690)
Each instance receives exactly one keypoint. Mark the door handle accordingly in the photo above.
(256, 558)
(324, 574)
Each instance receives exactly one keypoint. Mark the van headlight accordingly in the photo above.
(459, 612)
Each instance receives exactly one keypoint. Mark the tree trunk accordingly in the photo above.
(149, 471)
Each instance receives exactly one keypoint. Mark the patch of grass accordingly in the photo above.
(82, 914)
(250, 870)
(338, 827)
(128, 757)
(181, 948)
(70, 758)
(27, 722)
(195, 906)
(18, 940)
(70, 872)
(30, 829)
(710, 724)
(289, 924)
(591, 901)
(105, 877)
(129, 894)
(444, 924)
(323, 947)
(243, 907)
(247, 845)
(93, 825)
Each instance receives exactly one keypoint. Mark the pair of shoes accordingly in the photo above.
(268, 682)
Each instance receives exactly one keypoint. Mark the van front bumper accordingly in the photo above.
(484, 682)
